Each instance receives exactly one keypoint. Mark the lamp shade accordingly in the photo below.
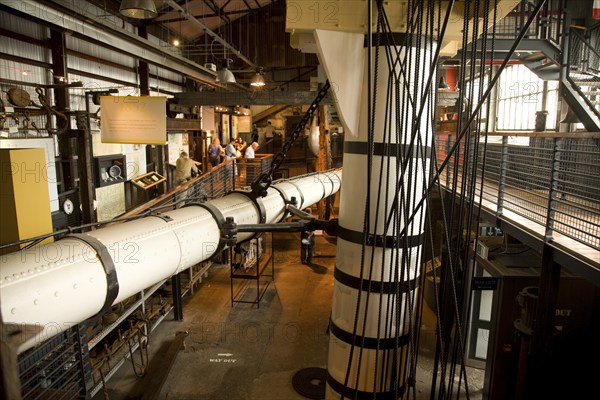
(257, 80)
(138, 9)
(442, 84)
(224, 75)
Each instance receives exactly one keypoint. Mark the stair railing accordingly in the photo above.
(584, 66)
(548, 24)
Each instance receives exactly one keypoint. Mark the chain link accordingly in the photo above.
(262, 183)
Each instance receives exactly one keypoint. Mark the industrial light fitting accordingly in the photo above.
(224, 75)
(443, 84)
(138, 9)
(258, 80)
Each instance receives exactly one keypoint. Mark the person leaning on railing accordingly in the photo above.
(250, 150)
(185, 168)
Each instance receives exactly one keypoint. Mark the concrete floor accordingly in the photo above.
(244, 352)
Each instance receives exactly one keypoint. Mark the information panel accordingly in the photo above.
(132, 119)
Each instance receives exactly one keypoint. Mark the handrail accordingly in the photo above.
(548, 24)
(171, 194)
(583, 57)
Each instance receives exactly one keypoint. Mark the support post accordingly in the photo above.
(323, 161)
(176, 293)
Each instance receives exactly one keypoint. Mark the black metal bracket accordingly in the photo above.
(229, 231)
(306, 222)
(165, 218)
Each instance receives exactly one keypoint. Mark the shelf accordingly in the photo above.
(105, 331)
(247, 267)
(98, 386)
(195, 278)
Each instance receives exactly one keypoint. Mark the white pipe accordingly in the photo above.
(57, 285)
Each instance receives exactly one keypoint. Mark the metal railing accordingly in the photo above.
(584, 66)
(554, 181)
(229, 175)
(548, 24)
(57, 369)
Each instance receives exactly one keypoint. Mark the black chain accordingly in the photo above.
(262, 183)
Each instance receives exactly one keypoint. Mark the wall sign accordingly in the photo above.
(484, 283)
(133, 119)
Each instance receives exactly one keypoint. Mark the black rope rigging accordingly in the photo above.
(405, 117)
(263, 182)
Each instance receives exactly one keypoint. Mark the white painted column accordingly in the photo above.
(381, 316)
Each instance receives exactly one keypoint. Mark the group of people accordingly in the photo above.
(235, 149)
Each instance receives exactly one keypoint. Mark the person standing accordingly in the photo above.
(230, 151)
(307, 241)
(250, 150)
(184, 168)
(270, 137)
(214, 152)
(240, 147)
(254, 136)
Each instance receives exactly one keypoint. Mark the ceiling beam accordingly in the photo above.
(213, 6)
(82, 24)
(247, 98)
(201, 16)
(206, 29)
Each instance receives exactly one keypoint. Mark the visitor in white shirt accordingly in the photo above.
(250, 150)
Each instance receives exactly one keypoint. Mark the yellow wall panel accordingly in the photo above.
(24, 198)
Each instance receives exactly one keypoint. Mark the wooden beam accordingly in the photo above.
(268, 112)
(183, 124)
(248, 98)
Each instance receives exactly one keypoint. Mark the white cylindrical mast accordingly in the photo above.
(60, 284)
(375, 284)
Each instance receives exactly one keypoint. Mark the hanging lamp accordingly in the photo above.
(224, 75)
(138, 9)
(258, 80)
(443, 84)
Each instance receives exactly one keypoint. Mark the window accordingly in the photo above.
(520, 94)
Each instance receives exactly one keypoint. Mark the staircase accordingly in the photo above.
(581, 82)
(554, 50)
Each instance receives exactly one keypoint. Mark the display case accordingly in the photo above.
(148, 180)
(110, 169)
(252, 269)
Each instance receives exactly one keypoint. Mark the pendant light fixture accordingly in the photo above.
(442, 84)
(138, 9)
(258, 80)
(224, 75)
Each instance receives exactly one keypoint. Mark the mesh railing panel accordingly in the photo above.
(577, 210)
(547, 25)
(528, 181)
(53, 370)
(529, 177)
(491, 170)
